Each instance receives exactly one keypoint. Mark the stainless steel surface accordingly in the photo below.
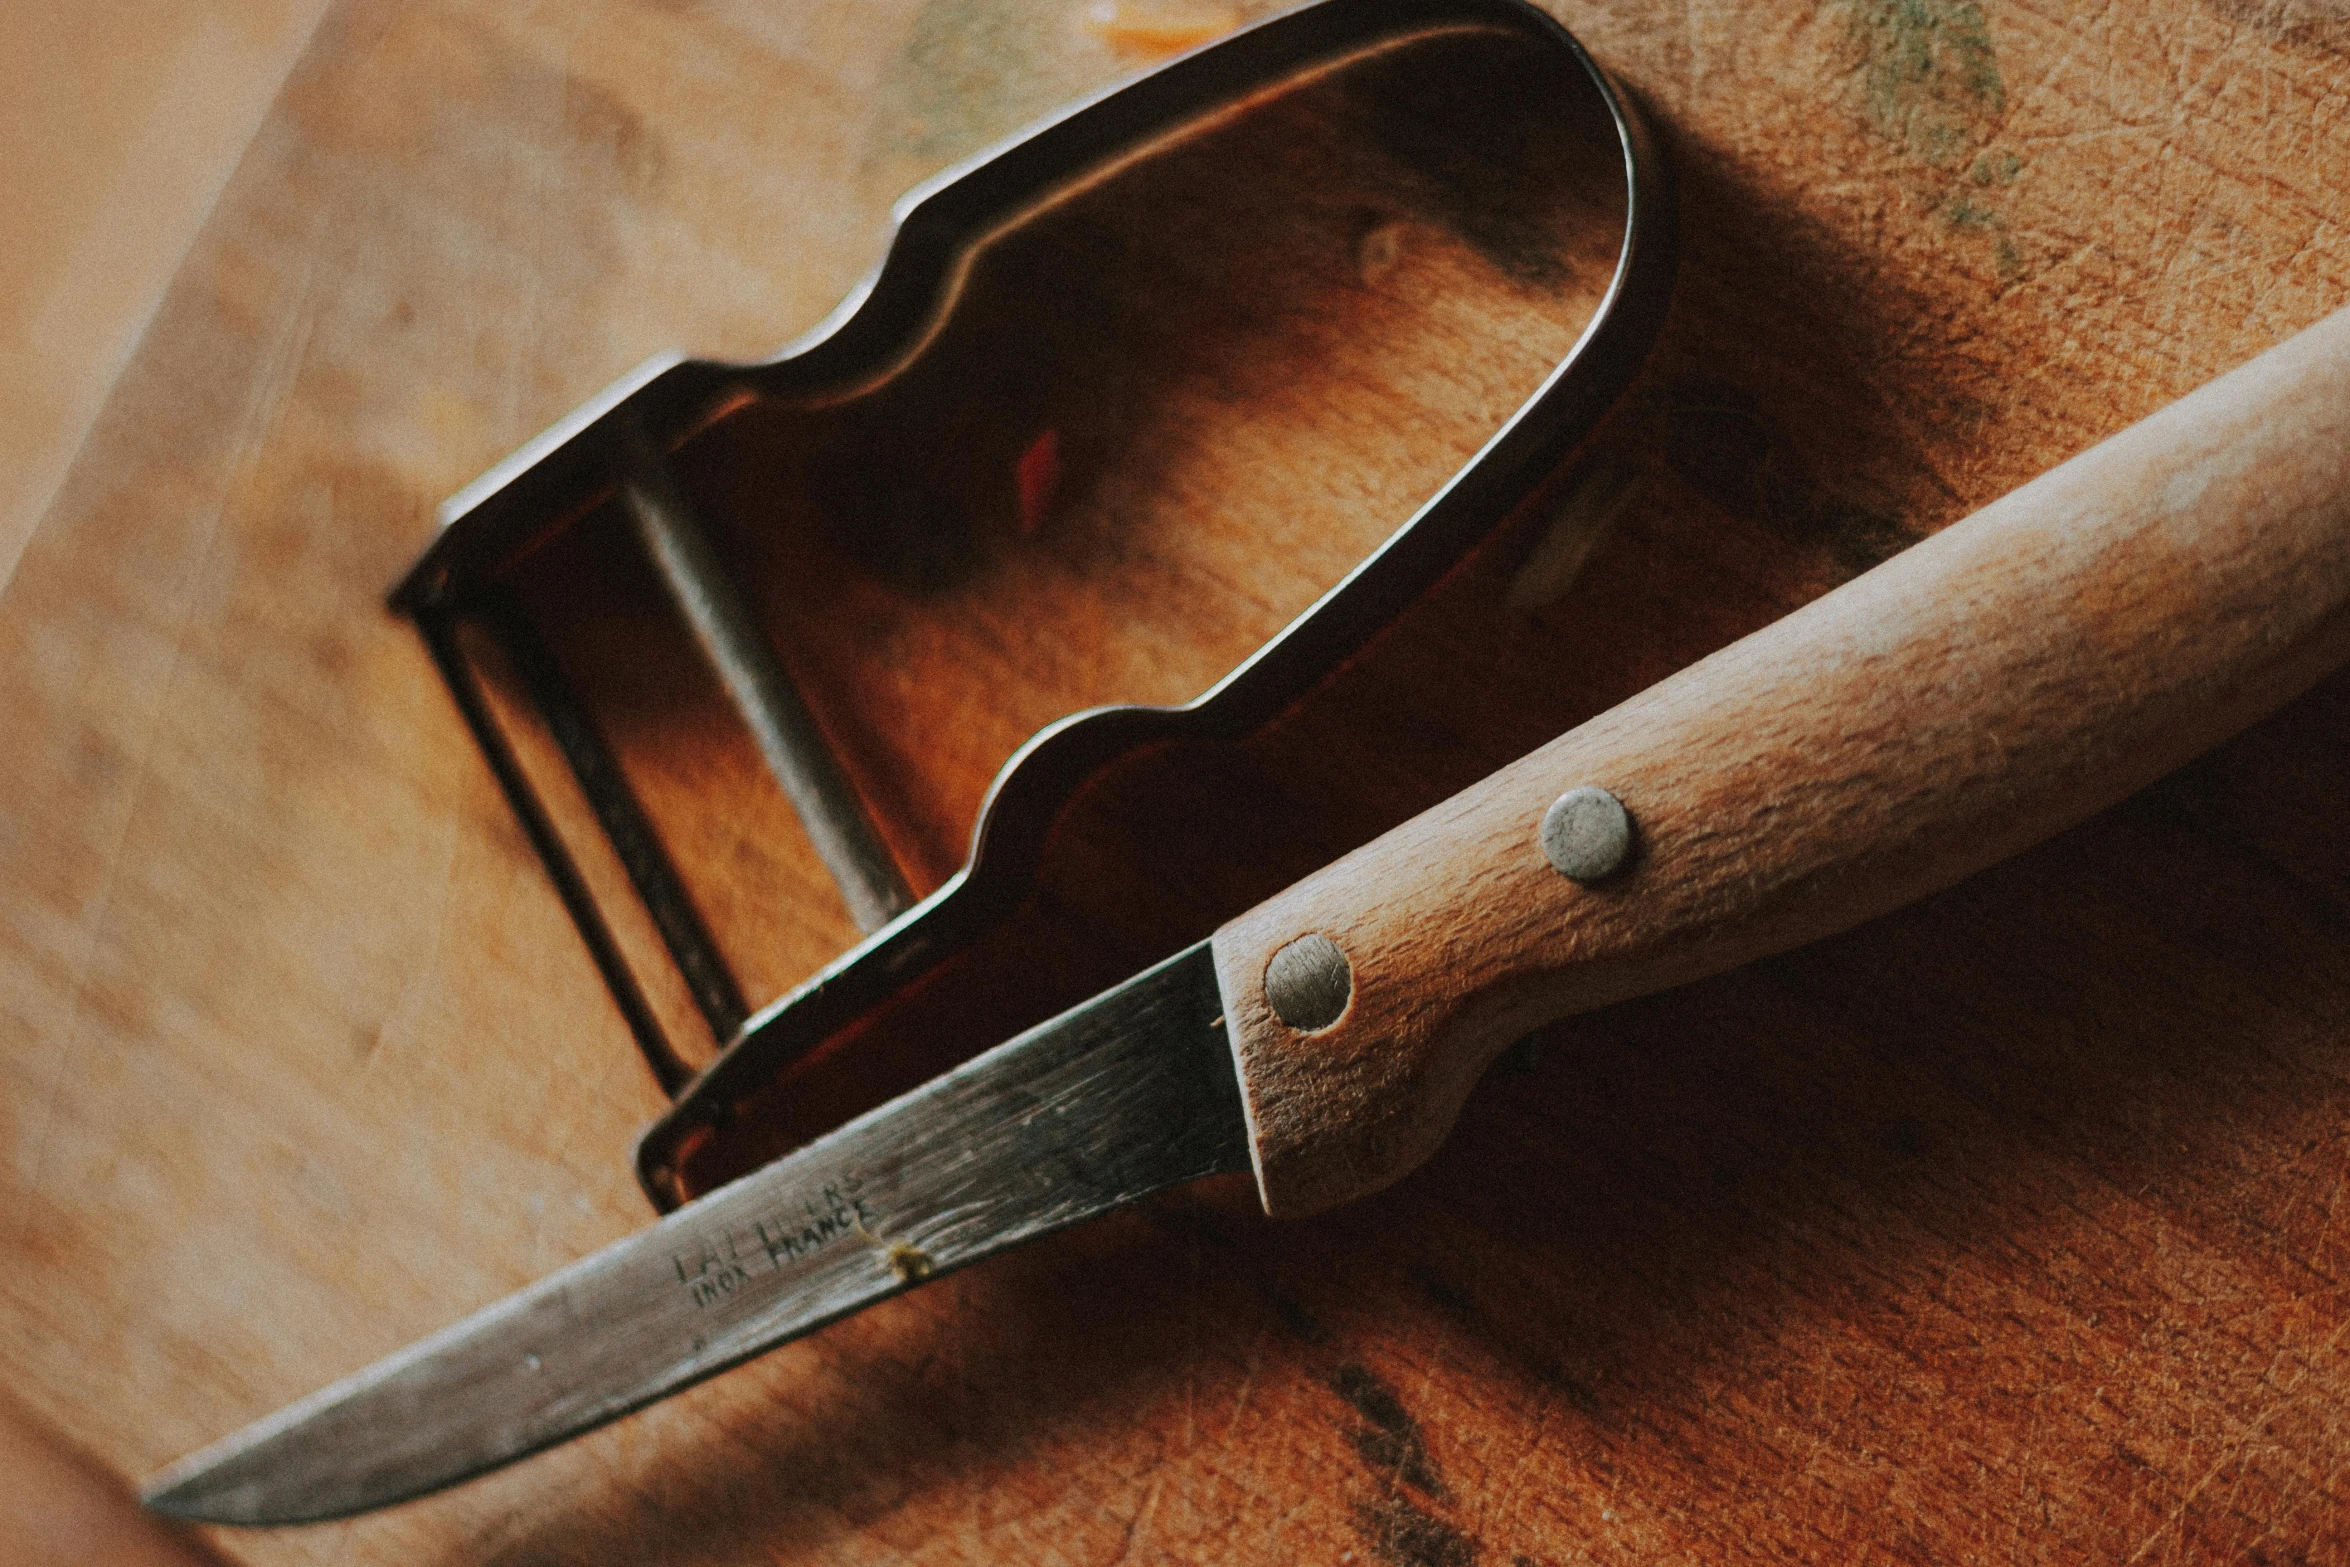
(788, 737)
(670, 401)
(1586, 834)
(1309, 982)
(1132, 1092)
(1046, 772)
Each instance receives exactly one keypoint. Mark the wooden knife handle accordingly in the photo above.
(1985, 689)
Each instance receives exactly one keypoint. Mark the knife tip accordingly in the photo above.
(202, 1489)
(184, 1492)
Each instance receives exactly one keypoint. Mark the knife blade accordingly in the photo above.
(1132, 1092)
(1998, 682)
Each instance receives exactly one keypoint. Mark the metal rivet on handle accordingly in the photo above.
(1308, 983)
(1586, 834)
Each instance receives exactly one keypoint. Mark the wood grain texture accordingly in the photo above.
(1982, 690)
(114, 156)
(59, 1506)
(2008, 1227)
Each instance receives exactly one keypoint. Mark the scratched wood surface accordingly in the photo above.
(2005, 1228)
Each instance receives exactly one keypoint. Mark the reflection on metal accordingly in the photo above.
(1309, 982)
(1128, 1094)
(597, 455)
(787, 734)
(1586, 834)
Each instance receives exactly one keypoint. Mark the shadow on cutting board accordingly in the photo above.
(1833, 1172)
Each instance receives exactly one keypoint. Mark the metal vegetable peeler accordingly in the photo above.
(624, 459)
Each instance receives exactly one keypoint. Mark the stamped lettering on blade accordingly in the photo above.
(725, 1262)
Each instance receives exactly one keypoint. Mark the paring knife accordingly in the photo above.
(1992, 685)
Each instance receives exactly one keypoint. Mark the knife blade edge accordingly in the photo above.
(1129, 1093)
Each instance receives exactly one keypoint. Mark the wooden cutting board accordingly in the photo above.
(2005, 1228)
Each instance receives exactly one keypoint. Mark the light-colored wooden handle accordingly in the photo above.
(1993, 685)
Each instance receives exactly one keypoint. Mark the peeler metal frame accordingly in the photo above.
(616, 445)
